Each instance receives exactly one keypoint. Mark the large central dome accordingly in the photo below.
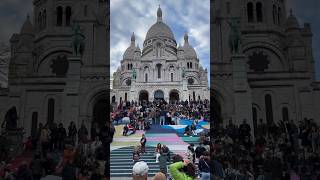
(159, 28)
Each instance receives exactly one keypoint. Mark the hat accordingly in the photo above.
(140, 168)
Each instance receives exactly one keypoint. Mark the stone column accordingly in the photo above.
(242, 91)
(132, 93)
(71, 100)
(185, 94)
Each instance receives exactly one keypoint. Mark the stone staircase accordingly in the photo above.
(121, 162)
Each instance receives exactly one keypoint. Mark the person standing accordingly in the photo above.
(83, 134)
(62, 134)
(143, 142)
(163, 158)
(72, 132)
(45, 140)
(94, 131)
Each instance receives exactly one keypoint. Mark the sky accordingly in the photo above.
(139, 15)
(191, 16)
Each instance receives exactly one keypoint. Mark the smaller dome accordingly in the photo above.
(138, 48)
(27, 27)
(180, 48)
(129, 53)
(189, 51)
(292, 22)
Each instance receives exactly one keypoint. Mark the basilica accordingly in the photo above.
(161, 70)
(47, 81)
(272, 77)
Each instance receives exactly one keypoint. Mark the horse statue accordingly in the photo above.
(134, 74)
(183, 72)
(77, 40)
(234, 36)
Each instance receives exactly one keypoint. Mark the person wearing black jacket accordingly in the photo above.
(61, 135)
(204, 166)
(54, 137)
(72, 132)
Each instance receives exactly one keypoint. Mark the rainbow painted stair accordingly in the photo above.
(122, 148)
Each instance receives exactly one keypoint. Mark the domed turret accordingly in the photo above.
(129, 53)
(189, 51)
(292, 22)
(27, 27)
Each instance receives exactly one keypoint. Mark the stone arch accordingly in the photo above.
(143, 95)
(174, 95)
(44, 59)
(269, 47)
(224, 97)
(89, 98)
(158, 94)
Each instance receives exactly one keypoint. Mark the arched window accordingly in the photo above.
(146, 77)
(285, 114)
(274, 14)
(159, 70)
(40, 20)
(228, 7)
(125, 97)
(279, 15)
(68, 15)
(187, 65)
(50, 115)
(85, 11)
(59, 16)
(171, 77)
(194, 95)
(128, 66)
(191, 65)
(259, 11)
(250, 12)
(44, 19)
(131, 66)
(269, 110)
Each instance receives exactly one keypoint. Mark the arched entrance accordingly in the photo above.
(99, 112)
(143, 95)
(173, 96)
(158, 95)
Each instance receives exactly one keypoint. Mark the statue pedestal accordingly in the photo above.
(185, 95)
(242, 91)
(132, 93)
(15, 141)
(72, 90)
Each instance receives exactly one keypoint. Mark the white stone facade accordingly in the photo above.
(47, 82)
(159, 69)
(274, 77)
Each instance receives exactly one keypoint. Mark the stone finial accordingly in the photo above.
(133, 39)
(186, 38)
(159, 14)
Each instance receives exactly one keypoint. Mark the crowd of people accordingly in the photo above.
(66, 154)
(142, 115)
(285, 150)
(195, 165)
(197, 159)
